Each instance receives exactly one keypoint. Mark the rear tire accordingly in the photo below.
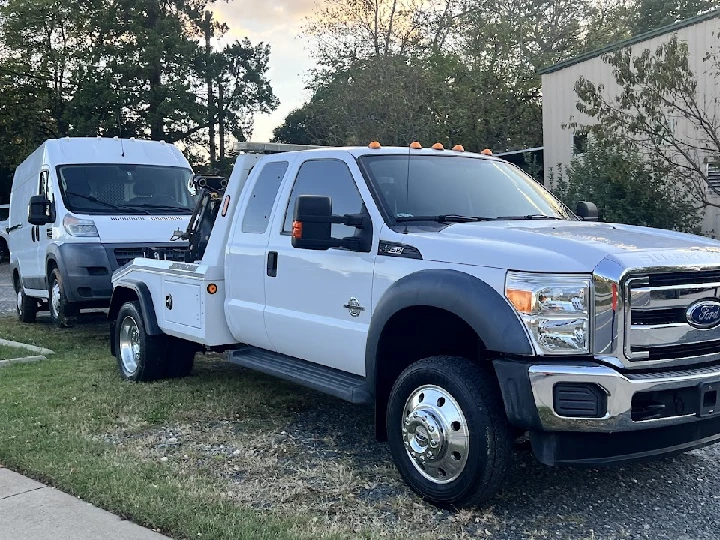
(26, 306)
(447, 431)
(62, 312)
(140, 356)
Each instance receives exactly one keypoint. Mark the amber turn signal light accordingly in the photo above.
(522, 300)
(297, 230)
(212, 288)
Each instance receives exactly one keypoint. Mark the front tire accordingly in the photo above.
(62, 312)
(26, 306)
(447, 431)
(140, 356)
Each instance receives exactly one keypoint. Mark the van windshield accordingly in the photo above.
(126, 189)
(458, 188)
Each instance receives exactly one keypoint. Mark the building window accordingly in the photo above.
(580, 141)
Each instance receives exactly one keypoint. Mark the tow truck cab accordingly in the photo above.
(455, 295)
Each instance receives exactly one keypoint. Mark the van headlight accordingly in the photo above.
(555, 308)
(79, 227)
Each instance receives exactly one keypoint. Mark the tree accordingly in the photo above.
(650, 14)
(626, 188)
(657, 91)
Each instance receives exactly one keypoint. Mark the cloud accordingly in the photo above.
(278, 23)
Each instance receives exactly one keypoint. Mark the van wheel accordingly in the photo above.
(26, 306)
(63, 313)
(447, 431)
(140, 356)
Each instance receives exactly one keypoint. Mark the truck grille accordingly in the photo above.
(657, 326)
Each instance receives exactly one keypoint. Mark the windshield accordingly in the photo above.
(416, 187)
(126, 189)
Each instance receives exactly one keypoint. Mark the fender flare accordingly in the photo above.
(474, 301)
(53, 254)
(147, 308)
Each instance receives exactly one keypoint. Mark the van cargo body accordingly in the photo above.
(106, 201)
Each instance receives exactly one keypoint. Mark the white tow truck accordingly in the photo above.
(453, 293)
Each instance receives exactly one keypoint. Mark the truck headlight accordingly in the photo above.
(79, 227)
(555, 309)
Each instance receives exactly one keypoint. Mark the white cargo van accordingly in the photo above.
(4, 213)
(82, 207)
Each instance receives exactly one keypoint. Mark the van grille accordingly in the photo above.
(126, 255)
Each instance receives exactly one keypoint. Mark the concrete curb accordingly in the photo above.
(31, 348)
(24, 360)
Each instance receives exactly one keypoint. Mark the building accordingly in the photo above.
(701, 33)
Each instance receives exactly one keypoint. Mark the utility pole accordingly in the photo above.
(209, 79)
(221, 118)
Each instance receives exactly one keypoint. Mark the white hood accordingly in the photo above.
(561, 246)
(140, 229)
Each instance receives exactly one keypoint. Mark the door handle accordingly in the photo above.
(272, 263)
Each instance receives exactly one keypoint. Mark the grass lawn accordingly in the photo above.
(7, 353)
(226, 453)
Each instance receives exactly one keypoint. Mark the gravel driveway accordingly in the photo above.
(7, 295)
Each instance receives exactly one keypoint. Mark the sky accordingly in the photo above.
(277, 22)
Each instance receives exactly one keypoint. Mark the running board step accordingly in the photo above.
(334, 382)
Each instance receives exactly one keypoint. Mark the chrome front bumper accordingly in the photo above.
(620, 389)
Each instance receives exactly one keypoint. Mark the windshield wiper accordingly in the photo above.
(530, 216)
(162, 207)
(445, 218)
(107, 204)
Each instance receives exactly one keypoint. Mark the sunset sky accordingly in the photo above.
(278, 23)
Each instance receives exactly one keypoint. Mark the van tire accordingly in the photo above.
(445, 470)
(149, 361)
(180, 358)
(62, 312)
(26, 306)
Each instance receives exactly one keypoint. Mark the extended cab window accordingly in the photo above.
(257, 213)
(328, 178)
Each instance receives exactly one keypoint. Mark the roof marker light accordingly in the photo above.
(459, 148)
(374, 145)
(438, 146)
(416, 145)
(487, 152)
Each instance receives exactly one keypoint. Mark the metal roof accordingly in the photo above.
(630, 41)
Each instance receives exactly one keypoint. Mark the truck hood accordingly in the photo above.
(561, 246)
(138, 229)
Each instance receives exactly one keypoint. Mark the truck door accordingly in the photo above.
(246, 255)
(318, 303)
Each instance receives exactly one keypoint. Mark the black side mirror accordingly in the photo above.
(40, 210)
(312, 226)
(587, 211)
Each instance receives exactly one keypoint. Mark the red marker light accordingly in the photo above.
(614, 297)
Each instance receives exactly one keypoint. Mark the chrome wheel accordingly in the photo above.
(55, 299)
(435, 434)
(129, 344)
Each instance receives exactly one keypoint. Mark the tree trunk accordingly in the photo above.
(221, 120)
(209, 79)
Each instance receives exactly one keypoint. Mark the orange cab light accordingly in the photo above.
(459, 148)
(522, 300)
(487, 152)
(374, 145)
(438, 146)
(212, 288)
(416, 145)
(297, 230)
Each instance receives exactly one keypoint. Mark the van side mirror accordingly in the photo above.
(40, 210)
(587, 211)
(312, 226)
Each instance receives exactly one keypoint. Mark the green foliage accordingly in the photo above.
(650, 14)
(132, 68)
(626, 188)
(657, 91)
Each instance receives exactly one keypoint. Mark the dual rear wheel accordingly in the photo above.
(145, 357)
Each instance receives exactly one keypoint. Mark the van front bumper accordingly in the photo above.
(589, 413)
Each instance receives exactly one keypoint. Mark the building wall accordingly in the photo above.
(560, 100)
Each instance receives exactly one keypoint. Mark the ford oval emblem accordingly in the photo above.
(704, 314)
